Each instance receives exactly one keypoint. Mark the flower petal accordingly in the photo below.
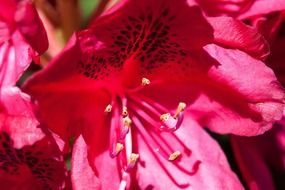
(20, 38)
(232, 33)
(30, 26)
(90, 61)
(276, 59)
(260, 7)
(261, 159)
(58, 116)
(139, 37)
(36, 166)
(226, 98)
(233, 101)
(209, 165)
(221, 7)
(15, 57)
(18, 119)
(83, 177)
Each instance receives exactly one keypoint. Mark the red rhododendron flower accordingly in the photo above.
(124, 84)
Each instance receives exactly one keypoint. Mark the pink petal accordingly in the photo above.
(83, 177)
(105, 167)
(231, 33)
(239, 8)
(15, 57)
(221, 7)
(209, 165)
(261, 7)
(19, 39)
(233, 101)
(18, 118)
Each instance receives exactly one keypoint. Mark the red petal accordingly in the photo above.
(83, 177)
(59, 116)
(140, 37)
(36, 166)
(277, 57)
(7, 11)
(154, 15)
(30, 26)
(261, 159)
(211, 170)
(234, 34)
(92, 56)
(29, 157)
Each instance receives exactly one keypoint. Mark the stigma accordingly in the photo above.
(172, 123)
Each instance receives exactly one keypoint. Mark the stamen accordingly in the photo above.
(170, 123)
(145, 82)
(180, 108)
(165, 117)
(174, 155)
(173, 123)
(119, 147)
(108, 108)
(125, 111)
(132, 161)
(127, 121)
(116, 150)
(126, 127)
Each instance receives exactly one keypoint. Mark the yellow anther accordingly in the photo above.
(127, 121)
(174, 155)
(145, 81)
(133, 158)
(125, 111)
(180, 108)
(165, 117)
(108, 108)
(119, 147)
